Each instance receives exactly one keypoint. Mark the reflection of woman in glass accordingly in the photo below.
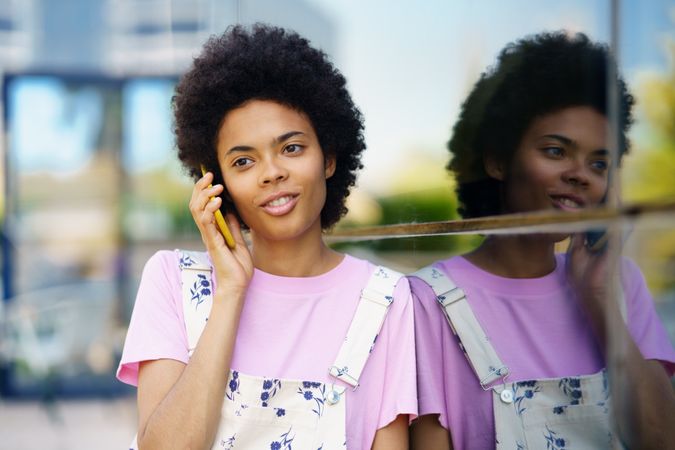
(271, 120)
(533, 135)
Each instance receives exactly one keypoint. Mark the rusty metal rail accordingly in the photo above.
(536, 222)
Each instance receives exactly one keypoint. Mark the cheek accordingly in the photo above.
(532, 175)
(599, 191)
(236, 193)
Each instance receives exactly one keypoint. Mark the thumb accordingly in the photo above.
(575, 250)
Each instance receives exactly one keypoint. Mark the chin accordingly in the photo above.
(283, 232)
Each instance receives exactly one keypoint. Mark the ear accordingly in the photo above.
(329, 165)
(494, 168)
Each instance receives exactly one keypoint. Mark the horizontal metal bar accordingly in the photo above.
(540, 221)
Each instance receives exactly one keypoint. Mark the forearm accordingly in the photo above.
(188, 416)
(643, 399)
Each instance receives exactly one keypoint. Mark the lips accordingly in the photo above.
(567, 202)
(280, 203)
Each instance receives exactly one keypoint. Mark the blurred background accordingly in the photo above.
(90, 186)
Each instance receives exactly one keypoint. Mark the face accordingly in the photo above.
(561, 163)
(274, 169)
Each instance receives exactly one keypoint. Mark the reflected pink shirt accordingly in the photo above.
(537, 329)
(289, 328)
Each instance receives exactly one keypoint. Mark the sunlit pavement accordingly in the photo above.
(67, 425)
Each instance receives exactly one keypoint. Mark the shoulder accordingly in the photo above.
(169, 262)
(161, 278)
(162, 261)
(380, 277)
(369, 270)
(422, 281)
(449, 267)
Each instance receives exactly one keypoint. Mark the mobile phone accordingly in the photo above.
(220, 221)
(596, 240)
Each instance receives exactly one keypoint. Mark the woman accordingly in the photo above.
(291, 321)
(534, 325)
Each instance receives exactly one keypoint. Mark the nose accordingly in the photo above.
(272, 172)
(575, 175)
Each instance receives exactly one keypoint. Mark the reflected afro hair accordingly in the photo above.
(534, 76)
(268, 63)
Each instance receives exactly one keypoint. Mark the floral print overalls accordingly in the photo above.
(282, 414)
(569, 413)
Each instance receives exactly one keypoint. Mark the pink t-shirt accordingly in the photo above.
(536, 328)
(289, 328)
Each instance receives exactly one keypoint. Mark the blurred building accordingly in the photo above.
(90, 183)
(135, 37)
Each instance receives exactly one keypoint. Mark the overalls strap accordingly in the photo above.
(473, 341)
(196, 292)
(370, 313)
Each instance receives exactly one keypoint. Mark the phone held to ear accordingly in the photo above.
(596, 240)
(221, 223)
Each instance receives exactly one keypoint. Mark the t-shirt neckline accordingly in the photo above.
(265, 281)
(481, 278)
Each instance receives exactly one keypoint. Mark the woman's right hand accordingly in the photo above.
(179, 405)
(233, 267)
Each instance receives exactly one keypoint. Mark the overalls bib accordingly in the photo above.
(569, 413)
(283, 414)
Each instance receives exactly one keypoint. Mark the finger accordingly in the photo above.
(202, 197)
(208, 227)
(212, 205)
(574, 250)
(205, 180)
(201, 184)
(208, 194)
(614, 246)
(576, 243)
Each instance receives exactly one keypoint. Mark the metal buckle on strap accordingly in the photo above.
(340, 374)
(451, 296)
(376, 296)
(502, 373)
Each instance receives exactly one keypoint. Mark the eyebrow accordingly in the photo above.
(277, 140)
(564, 139)
(286, 136)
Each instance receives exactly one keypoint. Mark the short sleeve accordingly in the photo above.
(429, 349)
(399, 394)
(156, 329)
(644, 324)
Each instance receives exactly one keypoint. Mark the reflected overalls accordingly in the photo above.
(552, 413)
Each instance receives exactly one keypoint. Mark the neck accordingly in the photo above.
(304, 256)
(516, 256)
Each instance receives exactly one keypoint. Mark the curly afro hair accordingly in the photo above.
(268, 63)
(534, 76)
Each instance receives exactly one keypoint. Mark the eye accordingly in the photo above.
(242, 162)
(293, 148)
(600, 165)
(554, 151)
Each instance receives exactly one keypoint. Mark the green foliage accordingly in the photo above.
(415, 207)
(649, 171)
